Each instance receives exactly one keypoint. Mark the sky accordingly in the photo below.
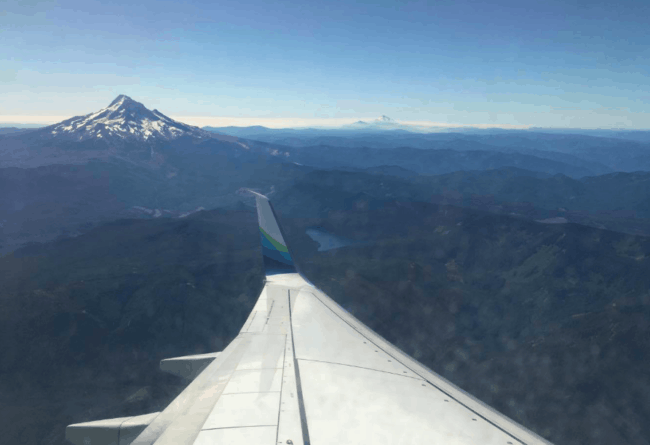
(513, 64)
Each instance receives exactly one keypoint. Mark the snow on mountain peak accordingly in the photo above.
(381, 123)
(120, 100)
(124, 119)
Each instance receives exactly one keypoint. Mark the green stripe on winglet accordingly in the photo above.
(275, 243)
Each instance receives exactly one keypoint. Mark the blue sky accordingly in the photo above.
(580, 64)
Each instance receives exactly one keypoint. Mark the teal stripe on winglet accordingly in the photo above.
(270, 250)
(275, 243)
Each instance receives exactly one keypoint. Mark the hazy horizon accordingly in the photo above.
(36, 121)
(203, 121)
(307, 123)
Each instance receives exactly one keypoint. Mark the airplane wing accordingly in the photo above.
(304, 371)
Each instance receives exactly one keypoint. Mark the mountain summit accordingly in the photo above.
(124, 119)
(382, 123)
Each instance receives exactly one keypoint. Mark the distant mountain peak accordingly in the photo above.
(382, 123)
(124, 119)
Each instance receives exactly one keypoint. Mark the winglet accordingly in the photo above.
(277, 258)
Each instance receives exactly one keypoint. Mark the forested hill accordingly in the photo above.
(545, 322)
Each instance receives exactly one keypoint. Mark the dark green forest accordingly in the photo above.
(547, 323)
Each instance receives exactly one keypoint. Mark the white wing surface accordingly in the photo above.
(303, 371)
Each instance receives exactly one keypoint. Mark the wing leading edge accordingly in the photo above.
(304, 371)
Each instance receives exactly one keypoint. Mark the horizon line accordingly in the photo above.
(288, 123)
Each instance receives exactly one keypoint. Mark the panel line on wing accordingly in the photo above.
(284, 355)
(301, 401)
(269, 313)
(320, 334)
(248, 392)
(474, 411)
(361, 367)
(233, 427)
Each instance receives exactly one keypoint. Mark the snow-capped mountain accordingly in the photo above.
(124, 119)
(125, 130)
(386, 123)
(385, 120)
(382, 123)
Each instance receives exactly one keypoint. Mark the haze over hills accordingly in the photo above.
(632, 135)
(7, 130)
(382, 124)
(442, 160)
(126, 129)
(132, 161)
(602, 153)
(616, 202)
(436, 132)
(128, 161)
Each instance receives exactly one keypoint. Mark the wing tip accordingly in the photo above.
(275, 250)
(254, 193)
